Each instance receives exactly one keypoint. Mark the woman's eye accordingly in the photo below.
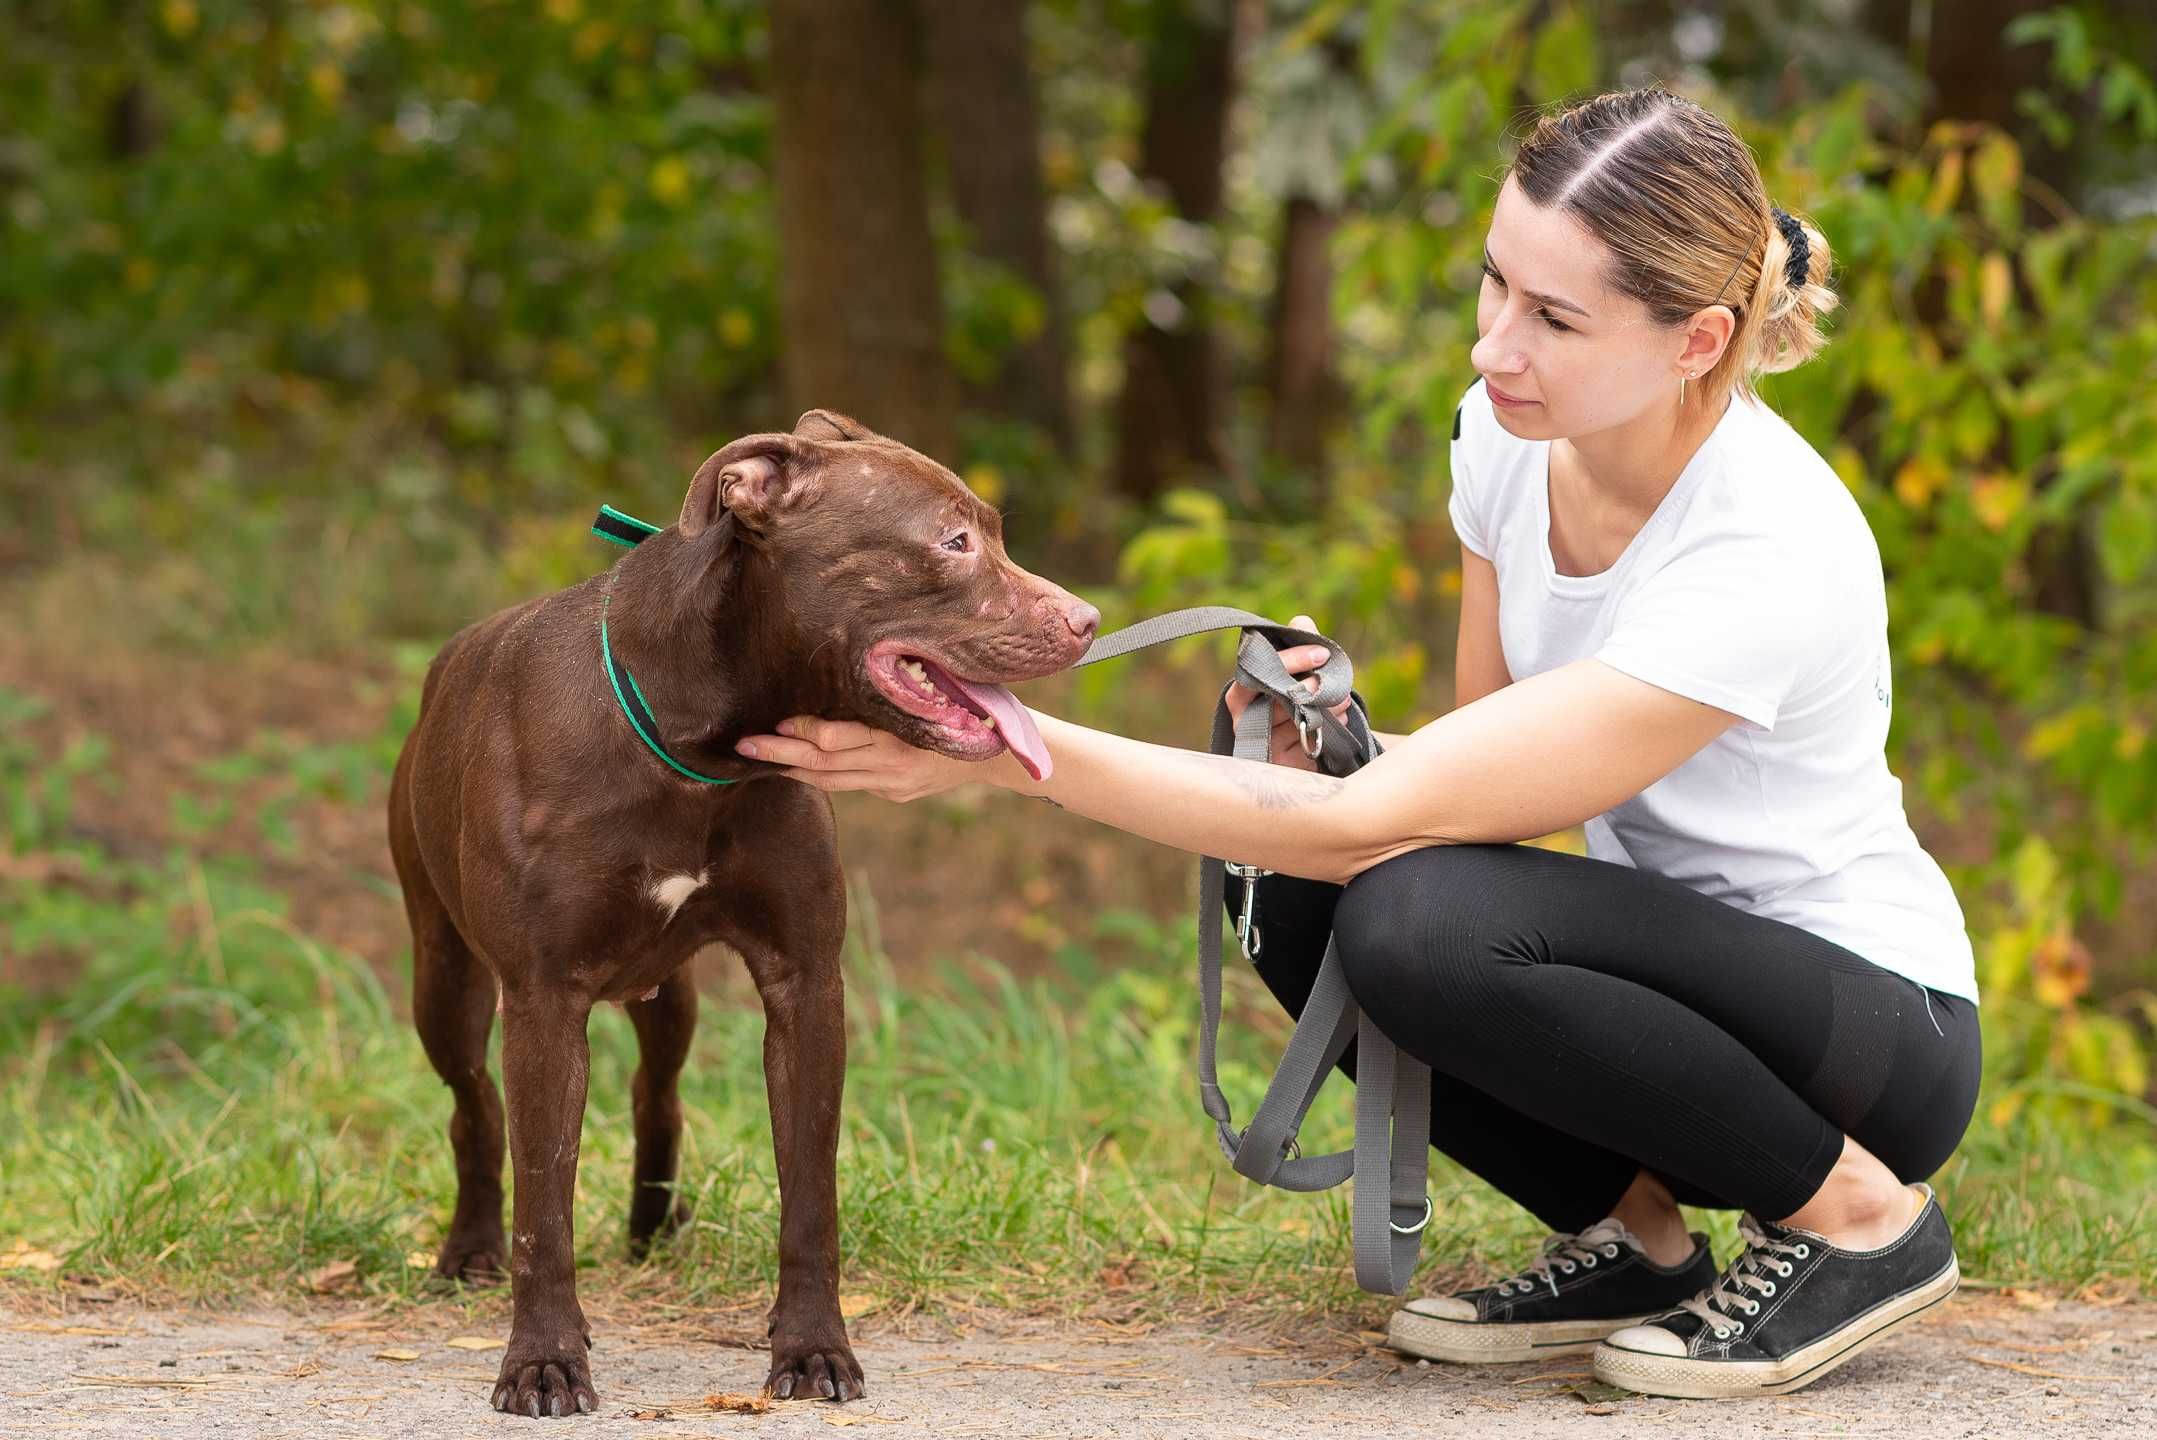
(1554, 322)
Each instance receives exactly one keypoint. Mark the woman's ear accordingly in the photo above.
(746, 479)
(1707, 335)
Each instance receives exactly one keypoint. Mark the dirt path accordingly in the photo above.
(1980, 1367)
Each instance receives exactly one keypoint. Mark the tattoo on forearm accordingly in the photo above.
(1279, 787)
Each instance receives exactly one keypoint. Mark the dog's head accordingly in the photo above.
(887, 576)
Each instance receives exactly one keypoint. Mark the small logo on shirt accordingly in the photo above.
(1883, 682)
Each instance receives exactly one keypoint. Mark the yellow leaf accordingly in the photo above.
(1919, 479)
(419, 1260)
(401, 1356)
(853, 1306)
(180, 17)
(1995, 287)
(475, 1342)
(986, 481)
(1946, 184)
(670, 180)
(1997, 500)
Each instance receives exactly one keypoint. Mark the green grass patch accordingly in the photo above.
(217, 1106)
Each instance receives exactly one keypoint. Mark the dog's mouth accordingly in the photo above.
(970, 719)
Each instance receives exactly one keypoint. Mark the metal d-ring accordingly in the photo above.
(1314, 740)
(1418, 1226)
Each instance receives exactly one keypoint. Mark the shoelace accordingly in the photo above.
(1567, 1253)
(1720, 1303)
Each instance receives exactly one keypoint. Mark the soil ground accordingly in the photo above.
(1980, 1366)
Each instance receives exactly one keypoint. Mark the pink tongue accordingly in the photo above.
(1013, 722)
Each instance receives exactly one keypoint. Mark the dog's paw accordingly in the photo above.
(653, 1225)
(474, 1259)
(815, 1371)
(546, 1379)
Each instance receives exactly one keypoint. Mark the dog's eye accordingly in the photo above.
(958, 542)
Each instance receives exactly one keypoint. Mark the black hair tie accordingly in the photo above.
(1800, 248)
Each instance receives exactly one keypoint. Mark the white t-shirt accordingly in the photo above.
(1754, 587)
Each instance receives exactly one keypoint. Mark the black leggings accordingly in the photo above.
(1584, 1021)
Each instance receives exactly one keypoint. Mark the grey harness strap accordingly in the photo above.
(1391, 1158)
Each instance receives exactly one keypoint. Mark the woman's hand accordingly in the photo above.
(845, 755)
(1286, 744)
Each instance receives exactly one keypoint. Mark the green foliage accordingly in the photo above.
(1986, 395)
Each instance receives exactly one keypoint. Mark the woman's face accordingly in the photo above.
(1579, 356)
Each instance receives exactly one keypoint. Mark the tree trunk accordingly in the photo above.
(1305, 392)
(981, 100)
(1172, 415)
(859, 303)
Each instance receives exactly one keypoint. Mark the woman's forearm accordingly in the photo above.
(1275, 816)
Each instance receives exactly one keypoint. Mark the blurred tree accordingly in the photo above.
(1170, 418)
(861, 311)
(980, 98)
(1318, 109)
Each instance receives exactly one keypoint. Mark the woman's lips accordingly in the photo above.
(1499, 397)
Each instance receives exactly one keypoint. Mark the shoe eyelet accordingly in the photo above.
(1803, 1251)
(1610, 1252)
(1738, 1328)
(1767, 1288)
(1588, 1260)
(1753, 1309)
(1787, 1268)
(1722, 1334)
(1567, 1266)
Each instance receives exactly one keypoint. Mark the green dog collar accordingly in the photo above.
(629, 532)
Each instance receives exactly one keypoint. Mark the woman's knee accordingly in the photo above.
(1407, 928)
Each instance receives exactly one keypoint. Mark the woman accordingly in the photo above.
(1755, 991)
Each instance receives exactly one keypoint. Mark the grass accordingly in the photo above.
(214, 1105)
(219, 1106)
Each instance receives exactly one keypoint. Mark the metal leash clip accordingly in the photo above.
(1247, 922)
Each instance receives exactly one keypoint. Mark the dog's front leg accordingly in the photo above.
(804, 1072)
(545, 1066)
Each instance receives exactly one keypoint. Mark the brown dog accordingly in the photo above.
(552, 858)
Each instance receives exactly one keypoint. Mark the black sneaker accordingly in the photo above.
(1789, 1309)
(1578, 1290)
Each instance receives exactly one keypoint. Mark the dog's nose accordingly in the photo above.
(1083, 619)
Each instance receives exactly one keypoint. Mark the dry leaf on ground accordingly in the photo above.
(396, 1355)
(24, 1256)
(475, 1342)
(738, 1404)
(337, 1275)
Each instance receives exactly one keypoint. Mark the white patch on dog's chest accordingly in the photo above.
(671, 892)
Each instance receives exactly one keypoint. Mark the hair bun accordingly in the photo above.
(1800, 249)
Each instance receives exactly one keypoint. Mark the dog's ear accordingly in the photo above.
(831, 425)
(745, 480)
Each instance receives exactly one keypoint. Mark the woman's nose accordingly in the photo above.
(1494, 351)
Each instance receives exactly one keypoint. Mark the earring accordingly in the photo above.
(1687, 375)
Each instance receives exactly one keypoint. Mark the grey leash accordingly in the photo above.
(1390, 1161)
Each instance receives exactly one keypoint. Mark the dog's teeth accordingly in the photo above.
(989, 720)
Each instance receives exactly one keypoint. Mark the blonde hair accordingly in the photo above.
(1678, 201)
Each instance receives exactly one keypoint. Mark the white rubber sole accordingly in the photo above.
(1690, 1379)
(1470, 1342)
